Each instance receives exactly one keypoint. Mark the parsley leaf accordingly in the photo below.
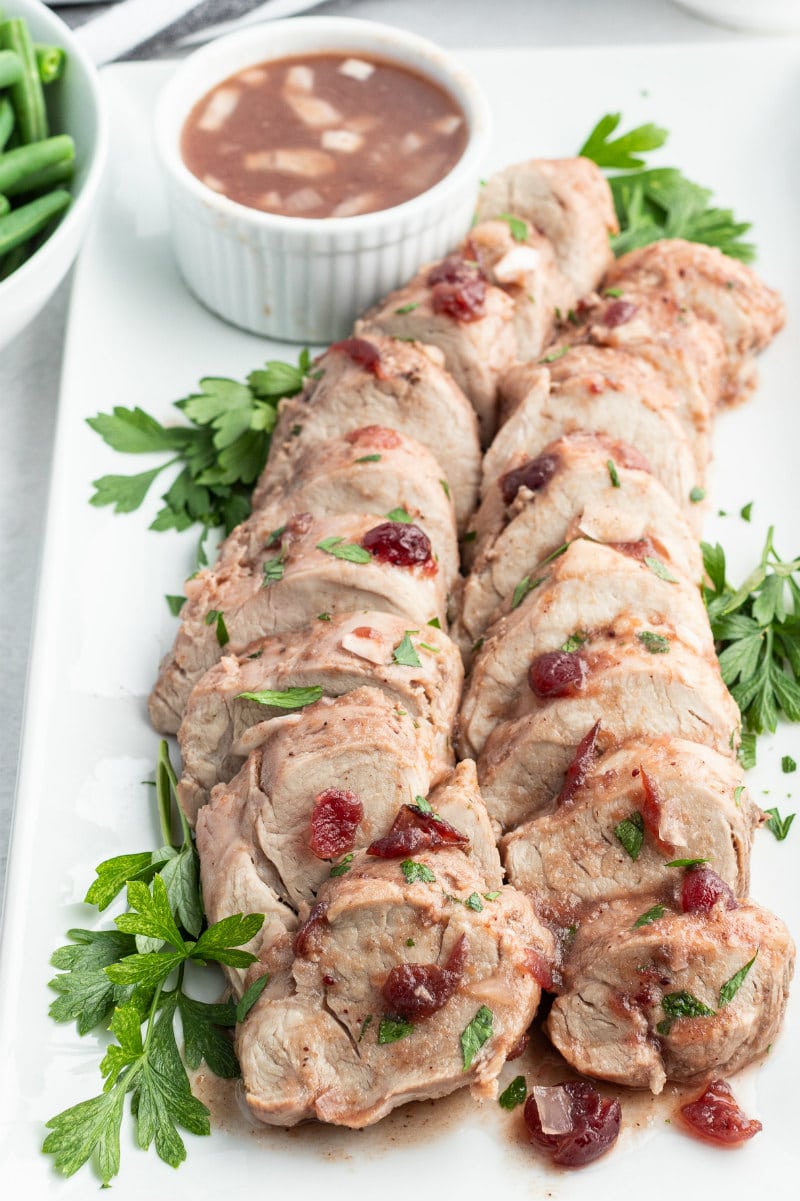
(391, 1030)
(732, 986)
(613, 474)
(681, 1005)
(630, 832)
(778, 825)
(404, 653)
(401, 515)
(788, 765)
(284, 698)
(514, 1094)
(620, 153)
(657, 644)
(518, 227)
(649, 916)
(415, 872)
(350, 551)
(215, 617)
(249, 997)
(660, 569)
(475, 1034)
(522, 589)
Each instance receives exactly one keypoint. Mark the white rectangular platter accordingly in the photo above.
(137, 338)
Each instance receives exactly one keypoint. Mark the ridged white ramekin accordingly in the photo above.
(301, 279)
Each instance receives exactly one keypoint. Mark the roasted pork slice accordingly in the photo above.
(325, 781)
(718, 289)
(581, 486)
(377, 380)
(627, 404)
(452, 305)
(523, 263)
(237, 877)
(412, 978)
(569, 201)
(684, 996)
(666, 341)
(525, 761)
(577, 615)
(334, 655)
(637, 809)
(332, 565)
(370, 470)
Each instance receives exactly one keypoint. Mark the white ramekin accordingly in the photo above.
(293, 278)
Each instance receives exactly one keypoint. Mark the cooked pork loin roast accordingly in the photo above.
(640, 695)
(581, 486)
(337, 655)
(690, 802)
(400, 991)
(566, 200)
(716, 288)
(452, 306)
(369, 470)
(547, 404)
(311, 567)
(404, 387)
(591, 595)
(655, 1002)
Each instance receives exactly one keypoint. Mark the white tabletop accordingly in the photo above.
(31, 365)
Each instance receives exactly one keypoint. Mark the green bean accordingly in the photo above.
(10, 68)
(25, 222)
(14, 259)
(16, 164)
(6, 121)
(42, 181)
(50, 60)
(27, 94)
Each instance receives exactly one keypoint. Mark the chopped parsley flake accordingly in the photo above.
(613, 473)
(391, 1030)
(514, 1095)
(475, 1035)
(630, 833)
(415, 872)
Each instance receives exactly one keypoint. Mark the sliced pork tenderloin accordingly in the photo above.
(640, 695)
(358, 744)
(377, 380)
(673, 999)
(335, 654)
(596, 393)
(369, 470)
(310, 567)
(593, 598)
(581, 486)
(569, 201)
(689, 801)
(716, 288)
(452, 305)
(402, 991)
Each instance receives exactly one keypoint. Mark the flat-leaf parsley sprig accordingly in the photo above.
(220, 453)
(131, 980)
(757, 631)
(659, 202)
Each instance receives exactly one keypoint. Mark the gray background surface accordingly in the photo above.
(30, 367)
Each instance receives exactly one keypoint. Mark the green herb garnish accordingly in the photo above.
(630, 833)
(681, 1005)
(657, 644)
(391, 1030)
(351, 552)
(285, 698)
(475, 1035)
(404, 653)
(778, 825)
(415, 872)
(613, 473)
(514, 1095)
(732, 986)
(649, 916)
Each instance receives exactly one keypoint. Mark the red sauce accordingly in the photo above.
(594, 1125)
(334, 821)
(533, 475)
(580, 766)
(418, 990)
(413, 831)
(557, 673)
(716, 1117)
(702, 889)
(365, 353)
(324, 135)
(458, 289)
(400, 543)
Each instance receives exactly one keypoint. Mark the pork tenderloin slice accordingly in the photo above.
(235, 875)
(718, 289)
(567, 200)
(580, 499)
(358, 743)
(548, 404)
(611, 1021)
(677, 695)
(666, 341)
(476, 351)
(569, 856)
(338, 655)
(284, 587)
(370, 470)
(458, 800)
(321, 1053)
(524, 265)
(413, 394)
(594, 593)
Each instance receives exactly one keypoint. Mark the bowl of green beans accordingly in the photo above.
(52, 151)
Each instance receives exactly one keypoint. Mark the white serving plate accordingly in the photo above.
(137, 337)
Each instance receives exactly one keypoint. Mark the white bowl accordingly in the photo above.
(757, 16)
(300, 279)
(75, 107)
